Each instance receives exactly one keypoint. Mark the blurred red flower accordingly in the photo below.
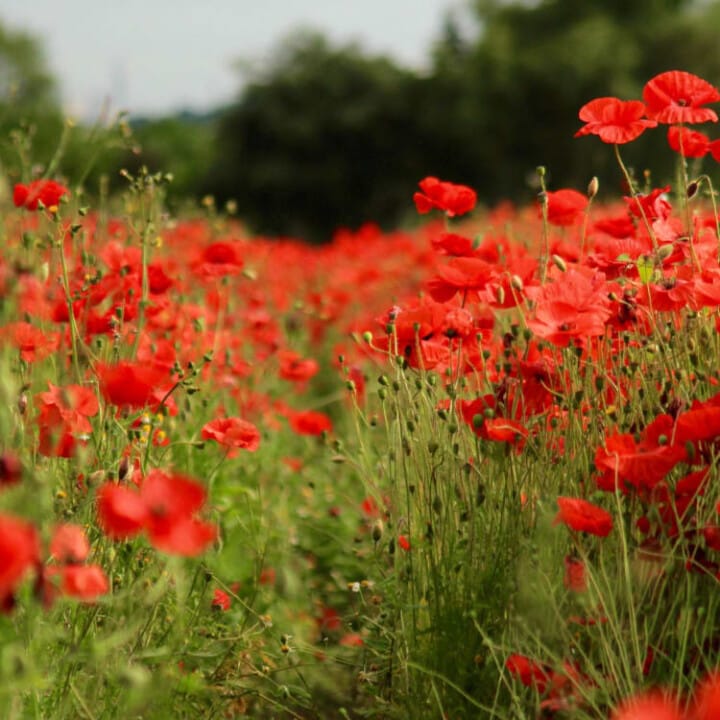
(121, 511)
(614, 121)
(565, 207)
(706, 698)
(310, 422)
(85, 582)
(34, 344)
(69, 544)
(296, 368)
(132, 384)
(63, 418)
(689, 143)
(652, 705)
(529, 672)
(172, 502)
(232, 433)
(575, 578)
(677, 97)
(582, 516)
(19, 553)
(47, 192)
(221, 600)
(437, 194)
(166, 508)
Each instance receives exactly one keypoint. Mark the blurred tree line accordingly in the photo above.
(328, 135)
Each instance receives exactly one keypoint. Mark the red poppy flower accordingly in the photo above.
(706, 698)
(121, 512)
(642, 464)
(232, 433)
(575, 578)
(47, 192)
(310, 422)
(166, 507)
(34, 344)
(84, 582)
(574, 308)
(440, 195)
(689, 143)
(296, 368)
(452, 244)
(653, 705)
(63, 418)
(565, 207)
(221, 600)
(172, 502)
(69, 544)
(582, 516)
(481, 415)
(132, 384)
(677, 97)
(218, 259)
(19, 553)
(352, 640)
(461, 275)
(653, 206)
(529, 672)
(614, 121)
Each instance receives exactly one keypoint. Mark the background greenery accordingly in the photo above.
(328, 135)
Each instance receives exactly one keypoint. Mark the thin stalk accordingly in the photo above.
(633, 193)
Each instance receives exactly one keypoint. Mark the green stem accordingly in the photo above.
(634, 195)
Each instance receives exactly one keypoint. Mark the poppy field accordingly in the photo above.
(463, 470)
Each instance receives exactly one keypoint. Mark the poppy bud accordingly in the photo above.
(559, 263)
(593, 187)
(377, 530)
(692, 189)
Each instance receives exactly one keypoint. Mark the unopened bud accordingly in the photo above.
(692, 189)
(559, 263)
(377, 530)
(516, 283)
(123, 468)
(593, 187)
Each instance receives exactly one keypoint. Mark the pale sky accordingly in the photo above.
(156, 56)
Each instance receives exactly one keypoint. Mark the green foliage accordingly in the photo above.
(28, 101)
(324, 136)
(181, 145)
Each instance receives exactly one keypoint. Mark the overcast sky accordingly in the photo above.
(156, 56)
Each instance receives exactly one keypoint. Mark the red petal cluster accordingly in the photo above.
(47, 192)
(582, 516)
(166, 508)
(440, 195)
(614, 121)
(232, 433)
(678, 97)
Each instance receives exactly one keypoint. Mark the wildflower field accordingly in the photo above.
(468, 470)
